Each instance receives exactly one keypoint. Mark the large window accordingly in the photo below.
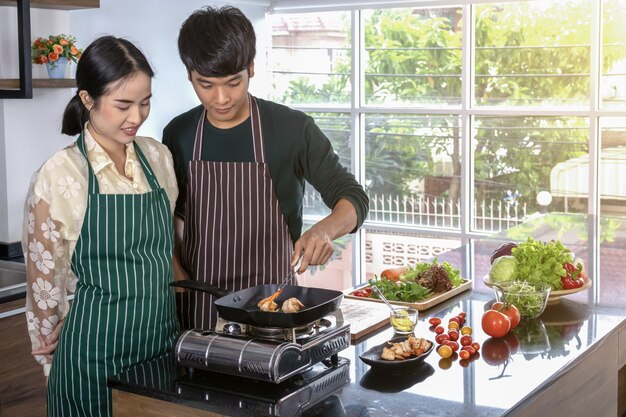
(462, 120)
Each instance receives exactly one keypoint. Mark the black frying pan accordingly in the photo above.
(241, 306)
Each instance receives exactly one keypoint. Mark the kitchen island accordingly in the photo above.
(568, 362)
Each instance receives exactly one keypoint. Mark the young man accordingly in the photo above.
(241, 165)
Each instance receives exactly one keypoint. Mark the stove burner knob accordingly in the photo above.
(232, 328)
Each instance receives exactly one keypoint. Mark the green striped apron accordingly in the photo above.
(123, 311)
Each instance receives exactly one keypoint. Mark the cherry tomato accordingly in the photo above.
(454, 335)
(495, 324)
(510, 311)
(466, 330)
(466, 340)
(454, 320)
(453, 325)
(439, 329)
(464, 354)
(444, 351)
(476, 346)
(453, 345)
(440, 338)
(434, 321)
(495, 351)
(462, 314)
(469, 349)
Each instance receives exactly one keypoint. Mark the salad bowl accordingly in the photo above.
(555, 295)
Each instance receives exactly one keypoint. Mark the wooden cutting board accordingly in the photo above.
(364, 317)
(425, 304)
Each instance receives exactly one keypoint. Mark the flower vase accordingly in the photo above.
(57, 69)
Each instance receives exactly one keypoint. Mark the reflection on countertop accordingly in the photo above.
(509, 375)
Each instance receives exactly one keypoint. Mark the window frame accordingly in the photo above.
(466, 111)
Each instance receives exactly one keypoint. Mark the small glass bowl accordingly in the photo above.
(530, 299)
(403, 319)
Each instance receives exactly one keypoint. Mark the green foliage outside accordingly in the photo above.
(530, 54)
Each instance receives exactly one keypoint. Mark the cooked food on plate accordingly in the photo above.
(409, 348)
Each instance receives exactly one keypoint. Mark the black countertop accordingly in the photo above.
(493, 383)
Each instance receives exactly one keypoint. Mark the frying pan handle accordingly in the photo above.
(199, 286)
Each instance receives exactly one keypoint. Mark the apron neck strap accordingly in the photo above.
(94, 188)
(257, 133)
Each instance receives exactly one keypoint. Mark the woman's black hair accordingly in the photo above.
(217, 42)
(106, 60)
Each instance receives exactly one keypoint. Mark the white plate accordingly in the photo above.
(554, 295)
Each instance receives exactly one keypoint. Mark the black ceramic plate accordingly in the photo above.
(373, 359)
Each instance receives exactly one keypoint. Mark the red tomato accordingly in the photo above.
(495, 324)
(511, 312)
(454, 335)
(435, 321)
(464, 354)
(440, 338)
(495, 351)
(476, 346)
(469, 349)
(466, 340)
(453, 345)
(439, 329)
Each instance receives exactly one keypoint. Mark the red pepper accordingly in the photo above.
(573, 276)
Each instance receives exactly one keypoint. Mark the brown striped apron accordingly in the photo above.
(235, 233)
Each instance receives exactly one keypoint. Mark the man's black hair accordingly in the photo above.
(217, 42)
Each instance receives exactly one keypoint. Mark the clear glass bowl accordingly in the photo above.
(530, 299)
(403, 319)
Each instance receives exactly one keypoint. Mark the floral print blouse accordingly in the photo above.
(53, 217)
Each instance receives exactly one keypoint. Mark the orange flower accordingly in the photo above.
(63, 41)
(53, 57)
(73, 50)
(42, 47)
(58, 49)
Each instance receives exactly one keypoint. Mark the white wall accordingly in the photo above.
(29, 129)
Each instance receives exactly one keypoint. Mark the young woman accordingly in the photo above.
(99, 225)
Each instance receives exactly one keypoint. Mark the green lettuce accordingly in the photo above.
(541, 262)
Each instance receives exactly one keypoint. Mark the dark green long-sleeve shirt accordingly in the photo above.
(295, 149)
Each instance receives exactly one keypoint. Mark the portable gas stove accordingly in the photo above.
(232, 395)
(263, 353)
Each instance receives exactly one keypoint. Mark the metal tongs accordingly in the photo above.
(290, 275)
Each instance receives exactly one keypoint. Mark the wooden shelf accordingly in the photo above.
(57, 4)
(40, 83)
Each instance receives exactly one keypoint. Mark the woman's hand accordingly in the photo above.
(47, 345)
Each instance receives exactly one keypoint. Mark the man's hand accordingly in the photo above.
(315, 246)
